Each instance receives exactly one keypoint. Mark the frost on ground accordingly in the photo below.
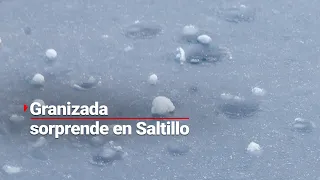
(162, 106)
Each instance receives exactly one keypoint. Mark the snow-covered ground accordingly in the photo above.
(267, 93)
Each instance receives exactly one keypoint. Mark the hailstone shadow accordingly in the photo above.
(239, 109)
(142, 30)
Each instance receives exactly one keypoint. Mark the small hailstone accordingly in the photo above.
(243, 6)
(190, 30)
(238, 98)
(195, 60)
(11, 169)
(162, 105)
(258, 91)
(0, 41)
(226, 51)
(204, 39)
(16, 118)
(51, 54)
(105, 36)
(153, 79)
(112, 144)
(39, 101)
(226, 96)
(91, 80)
(40, 142)
(79, 88)
(38, 79)
(181, 55)
(128, 48)
(254, 148)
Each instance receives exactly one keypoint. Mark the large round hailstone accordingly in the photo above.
(51, 54)
(254, 149)
(38, 79)
(162, 105)
(190, 30)
(153, 79)
(204, 39)
(40, 101)
(258, 91)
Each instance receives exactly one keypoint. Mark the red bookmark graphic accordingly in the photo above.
(25, 107)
